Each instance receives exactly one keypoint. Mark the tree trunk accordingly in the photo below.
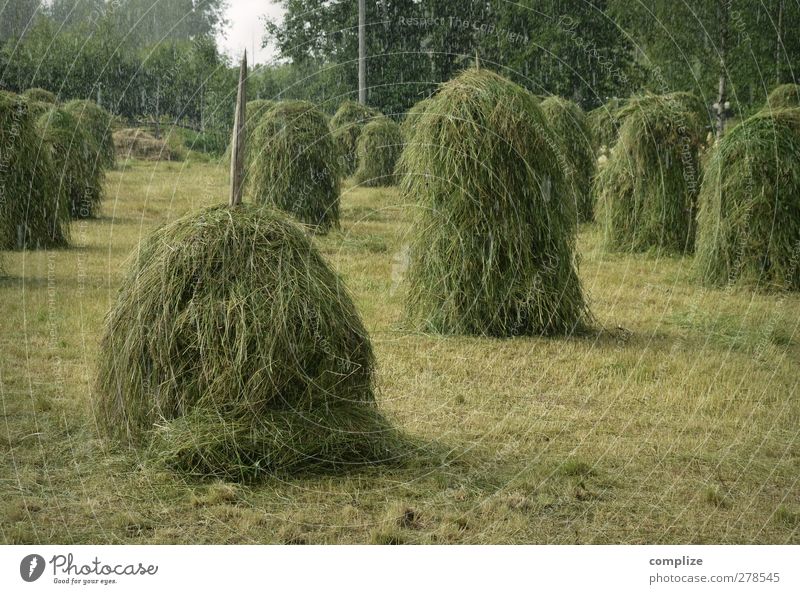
(723, 10)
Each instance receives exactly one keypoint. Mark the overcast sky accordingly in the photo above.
(246, 29)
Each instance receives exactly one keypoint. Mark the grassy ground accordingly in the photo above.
(677, 423)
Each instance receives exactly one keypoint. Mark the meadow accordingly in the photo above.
(676, 420)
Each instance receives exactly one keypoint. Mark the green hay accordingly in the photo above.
(40, 95)
(136, 143)
(647, 191)
(34, 212)
(293, 164)
(74, 155)
(604, 124)
(411, 120)
(379, 148)
(576, 156)
(749, 215)
(783, 96)
(233, 349)
(495, 228)
(346, 125)
(97, 122)
(255, 111)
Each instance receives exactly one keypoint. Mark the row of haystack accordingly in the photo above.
(735, 203)
(53, 166)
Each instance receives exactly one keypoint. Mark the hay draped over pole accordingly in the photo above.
(346, 125)
(495, 227)
(34, 212)
(604, 125)
(749, 216)
(647, 191)
(293, 164)
(40, 95)
(783, 96)
(74, 155)
(235, 346)
(97, 122)
(568, 122)
(379, 148)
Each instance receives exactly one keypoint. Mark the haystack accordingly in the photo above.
(75, 158)
(97, 122)
(604, 125)
(411, 120)
(379, 148)
(576, 157)
(783, 96)
(34, 212)
(293, 164)
(41, 95)
(495, 226)
(647, 191)
(346, 125)
(235, 350)
(749, 217)
(135, 143)
(255, 111)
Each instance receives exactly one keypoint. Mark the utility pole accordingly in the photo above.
(362, 53)
(239, 136)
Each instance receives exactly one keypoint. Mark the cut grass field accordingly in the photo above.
(677, 422)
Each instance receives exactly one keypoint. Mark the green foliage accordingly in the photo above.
(647, 191)
(379, 148)
(495, 228)
(97, 123)
(749, 213)
(237, 348)
(293, 164)
(784, 96)
(346, 126)
(604, 124)
(575, 154)
(33, 210)
(41, 95)
(74, 156)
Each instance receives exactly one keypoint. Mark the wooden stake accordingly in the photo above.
(239, 136)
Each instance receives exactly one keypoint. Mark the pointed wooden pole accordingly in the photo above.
(239, 136)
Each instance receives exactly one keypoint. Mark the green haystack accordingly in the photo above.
(293, 164)
(97, 122)
(34, 212)
(346, 126)
(411, 120)
(748, 224)
(576, 156)
(233, 349)
(604, 124)
(783, 96)
(647, 191)
(74, 156)
(41, 95)
(379, 148)
(255, 111)
(495, 228)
